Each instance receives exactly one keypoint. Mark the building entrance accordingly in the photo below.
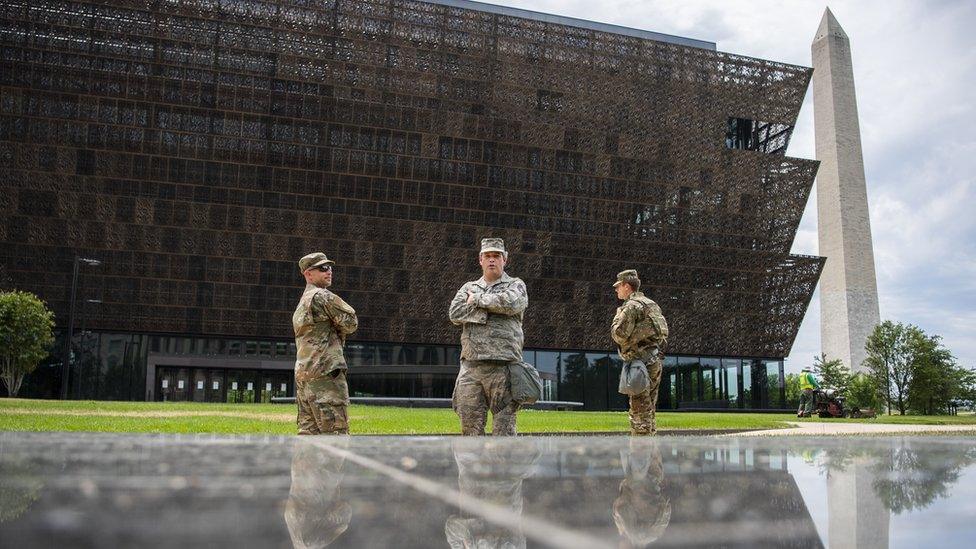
(177, 384)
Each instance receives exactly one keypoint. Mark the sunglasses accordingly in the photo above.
(322, 268)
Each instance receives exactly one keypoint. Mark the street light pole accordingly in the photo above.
(84, 344)
(66, 362)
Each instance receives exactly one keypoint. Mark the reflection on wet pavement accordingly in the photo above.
(100, 490)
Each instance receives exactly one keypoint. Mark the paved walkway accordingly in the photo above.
(807, 428)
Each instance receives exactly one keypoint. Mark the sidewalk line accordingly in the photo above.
(827, 429)
(539, 530)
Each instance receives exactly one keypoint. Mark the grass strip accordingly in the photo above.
(279, 419)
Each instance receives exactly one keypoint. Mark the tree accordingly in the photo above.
(26, 334)
(966, 380)
(915, 474)
(833, 374)
(935, 381)
(890, 361)
(792, 390)
(863, 392)
(916, 370)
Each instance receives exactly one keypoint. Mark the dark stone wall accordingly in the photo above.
(199, 149)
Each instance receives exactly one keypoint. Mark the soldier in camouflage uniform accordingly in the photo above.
(322, 321)
(490, 312)
(642, 510)
(492, 472)
(640, 331)
(315, 513)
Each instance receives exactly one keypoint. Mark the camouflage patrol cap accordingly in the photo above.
(624, 276)
(313, 260)
(493, 245)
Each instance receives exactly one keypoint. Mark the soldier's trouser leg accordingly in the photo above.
(469, 400)
(498, 388)
(642, 420)
(482, 386)
(323, 405)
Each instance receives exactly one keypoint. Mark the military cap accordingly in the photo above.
(624, 276)
(313, 260)
(493, 245)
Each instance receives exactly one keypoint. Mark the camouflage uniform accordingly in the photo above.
(491, 339)
(640, 331)
(322, 321)
(315, 513)
(642, 511)
(492, 472)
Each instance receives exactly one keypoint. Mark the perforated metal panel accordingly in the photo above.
(199, 148)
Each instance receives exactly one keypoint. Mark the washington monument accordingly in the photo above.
(848, 285)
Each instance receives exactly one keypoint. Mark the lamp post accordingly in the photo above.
(84, 344)
(65, 364)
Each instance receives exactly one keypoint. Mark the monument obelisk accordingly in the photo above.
(848, 285)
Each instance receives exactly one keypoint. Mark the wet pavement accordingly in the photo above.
(104, 490)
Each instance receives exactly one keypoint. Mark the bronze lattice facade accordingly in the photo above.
(199, 148)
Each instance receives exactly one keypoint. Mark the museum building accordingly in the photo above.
(163, 166)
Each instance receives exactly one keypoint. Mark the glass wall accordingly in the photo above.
(107, 366)
(732, 382)
(547, 362)
(614, 366)
(571, 380)
(713, 395)
(406, 384)
(775, 383)
(596, 382)
(668, 394)
(746, 377)
(689, 374)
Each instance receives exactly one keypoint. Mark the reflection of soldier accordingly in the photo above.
(491, 472)
(640, 331)
(314, 513)
(322, 321)
(490, 312)
(642, 511)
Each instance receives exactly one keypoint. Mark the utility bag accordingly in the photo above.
(633, 378)
(525, 381)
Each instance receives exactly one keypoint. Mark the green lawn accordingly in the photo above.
(279, 419)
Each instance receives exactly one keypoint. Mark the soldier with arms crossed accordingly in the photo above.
(322, 321)
(640, 331)
(489, 310)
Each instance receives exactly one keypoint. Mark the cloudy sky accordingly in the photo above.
(915, 74)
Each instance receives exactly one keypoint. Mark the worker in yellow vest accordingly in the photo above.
(808, 383)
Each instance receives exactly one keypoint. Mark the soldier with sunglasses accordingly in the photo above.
(322, 321)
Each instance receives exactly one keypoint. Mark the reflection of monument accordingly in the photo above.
(848, 287)
(491, 471)
(867, 484)
(315, 514)
(856, 516)
(642, 511)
